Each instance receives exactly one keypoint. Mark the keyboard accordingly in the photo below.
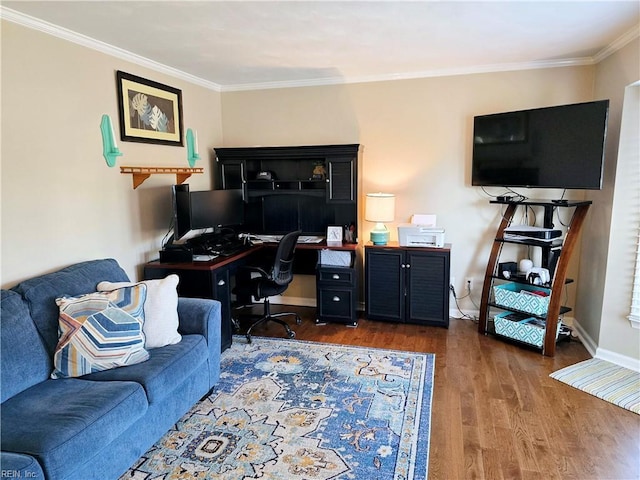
(310, 239)
(301, 238)
(204, 258)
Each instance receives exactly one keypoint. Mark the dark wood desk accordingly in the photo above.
(214, 279)
(207, 280)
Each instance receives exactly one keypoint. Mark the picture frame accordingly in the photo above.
(149, 112)
(334, 235)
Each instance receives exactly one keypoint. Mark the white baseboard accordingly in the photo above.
(604, 354)
(295, 301)
(584, 337)
(621, 360)
(454, 312)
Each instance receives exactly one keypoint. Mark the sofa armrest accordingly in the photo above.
(18, 465)
(202, 316)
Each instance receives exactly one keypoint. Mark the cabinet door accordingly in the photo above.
(341, 186)
(233, 176)
(428, 288)
(384, 272)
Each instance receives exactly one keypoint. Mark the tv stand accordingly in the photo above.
(562, 247)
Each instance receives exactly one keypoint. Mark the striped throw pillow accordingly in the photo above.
(100, 331)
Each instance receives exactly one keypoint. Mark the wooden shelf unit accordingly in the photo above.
(559, 277)
(140, 174)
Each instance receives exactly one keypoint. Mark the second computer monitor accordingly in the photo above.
(217, 209)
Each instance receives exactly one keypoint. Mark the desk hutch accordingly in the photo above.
(290, 188)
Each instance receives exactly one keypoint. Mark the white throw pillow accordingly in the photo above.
(160, 309)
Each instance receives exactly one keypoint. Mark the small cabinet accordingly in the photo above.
(407, 284)
(336, 294)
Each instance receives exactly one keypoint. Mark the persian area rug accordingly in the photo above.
(605, 380)
(289, 409)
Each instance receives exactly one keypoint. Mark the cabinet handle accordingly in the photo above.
(408, 265)
(336, 276)
(403, 266)
(336, 299)
(221, 283)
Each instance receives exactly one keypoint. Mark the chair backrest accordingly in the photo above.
(282, 272)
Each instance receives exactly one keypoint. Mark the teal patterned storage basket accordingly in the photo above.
(509, 295)
(530, 330)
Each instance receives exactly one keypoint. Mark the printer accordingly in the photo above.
(421, 232)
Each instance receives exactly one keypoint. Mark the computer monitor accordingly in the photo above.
(217, 209)
(196, 212)
(181, 210)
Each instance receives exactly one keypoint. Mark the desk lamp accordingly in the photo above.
(379, 207)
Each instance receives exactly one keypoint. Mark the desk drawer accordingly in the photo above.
(344, 276)
(337, 305)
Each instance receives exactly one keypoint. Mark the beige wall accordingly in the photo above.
(604, 287)
(61, 203)
(416, 143)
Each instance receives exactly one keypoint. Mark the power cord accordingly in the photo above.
(463, 316)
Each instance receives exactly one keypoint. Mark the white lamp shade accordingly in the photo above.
(380, 207)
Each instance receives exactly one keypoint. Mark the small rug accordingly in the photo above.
(290, 409)
(605, 380)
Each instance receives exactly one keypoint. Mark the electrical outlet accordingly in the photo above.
(469, 283)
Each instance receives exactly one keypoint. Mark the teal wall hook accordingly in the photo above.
(109, 146)
(192, 147)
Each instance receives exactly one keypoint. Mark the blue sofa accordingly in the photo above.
(95, 426)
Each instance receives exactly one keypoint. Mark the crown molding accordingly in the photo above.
(88, 42)
(447, 72)
(617, 44)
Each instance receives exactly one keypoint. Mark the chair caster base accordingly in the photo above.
(291, 334)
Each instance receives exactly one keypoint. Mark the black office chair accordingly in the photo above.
(270, 283)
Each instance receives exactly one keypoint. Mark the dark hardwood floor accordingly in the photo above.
(496, 412)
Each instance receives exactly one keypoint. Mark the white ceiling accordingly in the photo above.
(234, 45)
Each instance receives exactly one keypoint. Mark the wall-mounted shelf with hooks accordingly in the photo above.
(140, 174)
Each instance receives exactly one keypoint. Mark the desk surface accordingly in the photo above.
(222, 261)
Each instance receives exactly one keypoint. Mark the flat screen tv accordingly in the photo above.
(551, 147)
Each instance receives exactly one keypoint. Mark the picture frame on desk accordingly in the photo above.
(334, 235)
(350, 235)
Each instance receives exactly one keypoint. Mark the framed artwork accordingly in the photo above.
(334, 234)
(150, 112)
